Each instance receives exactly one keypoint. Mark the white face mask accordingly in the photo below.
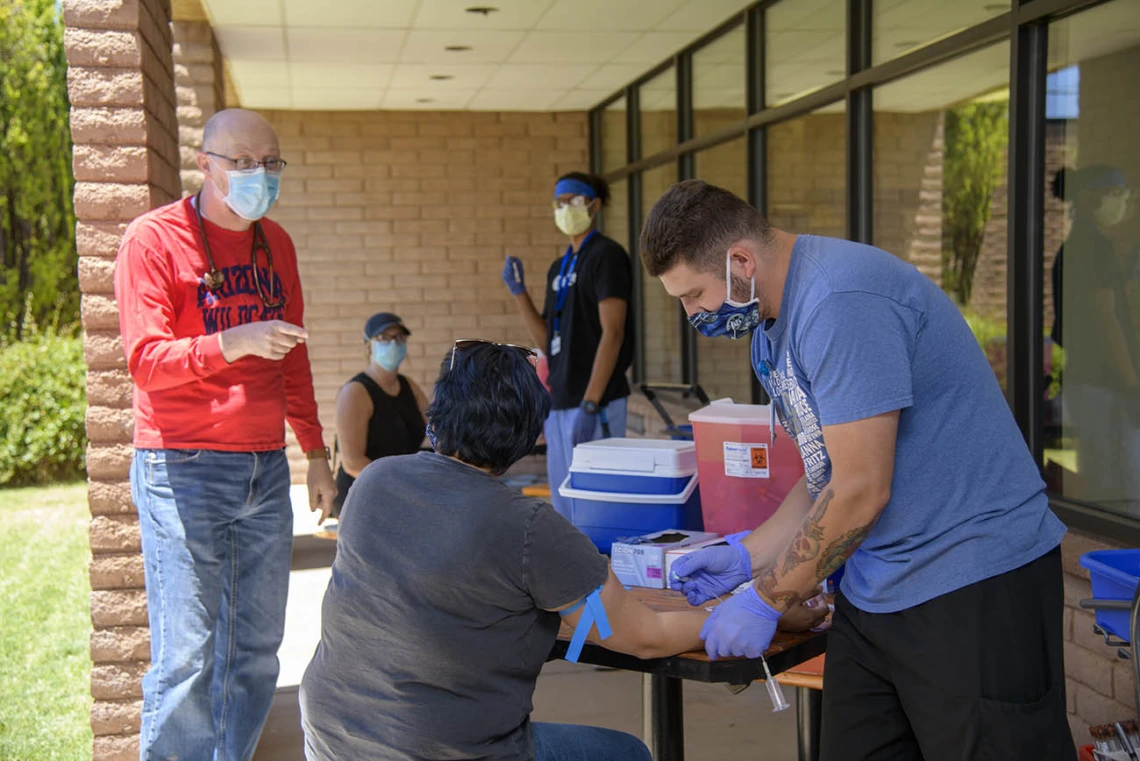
(1112, 209)
(572, 220)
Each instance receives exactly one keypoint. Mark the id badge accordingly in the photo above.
(555, 344)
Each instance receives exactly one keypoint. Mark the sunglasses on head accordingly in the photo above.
(466, 343)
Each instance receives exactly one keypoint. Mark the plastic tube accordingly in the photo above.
(775, 692)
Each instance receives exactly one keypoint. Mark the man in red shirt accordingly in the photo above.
(211, 314)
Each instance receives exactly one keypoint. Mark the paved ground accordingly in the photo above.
(718, 724)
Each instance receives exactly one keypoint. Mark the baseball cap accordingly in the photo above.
(380, 322)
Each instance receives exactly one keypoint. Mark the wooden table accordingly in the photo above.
(664, 691)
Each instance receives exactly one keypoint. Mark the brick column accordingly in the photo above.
(124, 128)
(198, 80)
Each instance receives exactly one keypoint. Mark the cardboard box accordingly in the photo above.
(677, 552)
(640, 561)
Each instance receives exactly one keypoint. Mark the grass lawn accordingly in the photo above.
(45, 626)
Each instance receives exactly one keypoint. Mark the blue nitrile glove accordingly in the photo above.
(711, 572)
(513, 275)
(742, 625)
(582, 426)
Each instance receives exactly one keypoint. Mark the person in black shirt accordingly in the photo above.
(585, 327)
(379, 413)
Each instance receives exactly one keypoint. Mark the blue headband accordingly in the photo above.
(574, 187)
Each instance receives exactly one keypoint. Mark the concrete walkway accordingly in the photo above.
(718, 724)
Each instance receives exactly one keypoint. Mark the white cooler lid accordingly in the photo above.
(727, 411)
(660, 457)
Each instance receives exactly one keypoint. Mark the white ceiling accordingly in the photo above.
(571, 54)
(530, 55)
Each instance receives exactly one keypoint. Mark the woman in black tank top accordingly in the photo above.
(379, 413)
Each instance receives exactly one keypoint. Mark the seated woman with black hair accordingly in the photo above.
(447, 587)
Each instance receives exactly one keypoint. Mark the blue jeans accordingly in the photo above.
(570, 742)
(560, 450)
(217, 534)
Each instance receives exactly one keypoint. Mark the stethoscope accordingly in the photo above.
(215, 278)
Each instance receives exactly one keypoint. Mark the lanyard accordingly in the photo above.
(563, 275)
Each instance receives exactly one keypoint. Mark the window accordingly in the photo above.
(901, 26)
(806, 47)
(659, 113)
(807, 178)
(940, 176)
(1092, 259)
(613, 136)
(661, 313)
(719, 83)
(724, 367)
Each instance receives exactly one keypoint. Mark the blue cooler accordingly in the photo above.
(1114, 575)
(630, 487)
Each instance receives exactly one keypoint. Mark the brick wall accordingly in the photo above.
(414, 212)
(125, 131)
(199, 87)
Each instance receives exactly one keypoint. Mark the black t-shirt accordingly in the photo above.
(603, 272)
(435, 624)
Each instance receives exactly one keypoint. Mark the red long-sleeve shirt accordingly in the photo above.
(186, 395)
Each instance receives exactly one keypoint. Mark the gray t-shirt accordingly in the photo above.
(434, 626)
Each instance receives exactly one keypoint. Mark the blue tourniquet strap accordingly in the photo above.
(595, 612)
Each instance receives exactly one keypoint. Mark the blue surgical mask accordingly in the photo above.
(252, 193)
(734, 319)
(389, 354)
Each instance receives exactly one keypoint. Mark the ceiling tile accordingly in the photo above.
(265, 97)
(250, 74)
(243, 12)
(530, 75)
(611, 76)
(572, 47)
(606, 15)
(352, 14)
(333, 99)
(699, 16)
(251, 43)
(427, 46)
(450, 100)
(580, 100)
(370, 46)
(410, 76)
(340, 75)
(653, 47)
(515, 100)
(451, 14)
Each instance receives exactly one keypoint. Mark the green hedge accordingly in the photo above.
(42, 433)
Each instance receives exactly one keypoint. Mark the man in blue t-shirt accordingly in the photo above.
(946, 641)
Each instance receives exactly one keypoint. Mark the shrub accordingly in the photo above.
(42, 431)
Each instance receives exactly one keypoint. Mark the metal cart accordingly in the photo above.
(682, 432)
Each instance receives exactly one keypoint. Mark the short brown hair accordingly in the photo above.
(695, 223)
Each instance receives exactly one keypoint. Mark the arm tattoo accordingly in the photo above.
(766, 582)
(805, 545)
(838, 551)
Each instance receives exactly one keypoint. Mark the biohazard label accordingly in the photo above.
(746, 460)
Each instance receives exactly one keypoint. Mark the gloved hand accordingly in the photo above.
(711, 572)
(513, 276)
(582, 427)
(742, 625)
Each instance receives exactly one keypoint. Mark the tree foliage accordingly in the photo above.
(38, 279)
(976, 136)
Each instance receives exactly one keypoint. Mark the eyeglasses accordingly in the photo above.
(466, 343)
(578, 201)
(246, 164)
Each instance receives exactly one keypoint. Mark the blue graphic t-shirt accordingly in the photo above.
(862, 333)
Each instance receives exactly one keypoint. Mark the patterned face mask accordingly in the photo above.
(734, 319)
